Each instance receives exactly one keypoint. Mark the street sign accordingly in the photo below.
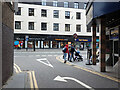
(75, 35)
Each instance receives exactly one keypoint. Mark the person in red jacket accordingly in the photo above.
(65, 52)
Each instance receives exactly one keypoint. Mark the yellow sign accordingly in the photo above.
(59, 39)
(85, 40)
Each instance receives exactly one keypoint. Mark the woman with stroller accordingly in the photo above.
(77, 55)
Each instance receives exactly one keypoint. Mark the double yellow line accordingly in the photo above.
(33, 81)
(93, 72)
(17, 68)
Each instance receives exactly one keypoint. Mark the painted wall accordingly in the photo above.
(24, 18)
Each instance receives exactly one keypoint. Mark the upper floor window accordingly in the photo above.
(31, 25)
(55, 3)
(43, 13)
(17, 24)
(67, 27)
(31, 11)
(78, 28)
(76, 5)
(19, 11)
(43, 26)
(78, 15)
(67, 14)
(44, 2)
(88, 29)
(56, 14)
(66, 4)
(56, 27)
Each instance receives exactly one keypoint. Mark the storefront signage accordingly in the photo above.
(83, 40)
(114, 33)
(61, 39)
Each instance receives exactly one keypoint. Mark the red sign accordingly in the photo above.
(75, 35)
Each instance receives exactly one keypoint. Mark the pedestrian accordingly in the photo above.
(72, 53)
(69, 49)
(65, 51)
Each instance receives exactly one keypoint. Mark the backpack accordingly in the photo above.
(64, 49)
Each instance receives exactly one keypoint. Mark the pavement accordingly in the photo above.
(20, 80)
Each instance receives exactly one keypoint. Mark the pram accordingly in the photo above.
(78, 57)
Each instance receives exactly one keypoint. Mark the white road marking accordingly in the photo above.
(42, 61)
(37, 55)
(59, 78)
(50, 55)
(43, 55)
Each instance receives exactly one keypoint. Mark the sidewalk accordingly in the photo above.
(18, 81)
(96, 68)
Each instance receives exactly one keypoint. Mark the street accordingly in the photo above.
(49, 72)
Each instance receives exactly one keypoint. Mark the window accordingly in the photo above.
(55, 3)
(67, 27)
(31, 11)
(67, 14)
(78, 28)
(44, 2)
(31, 25)
(76, 5)
(43, 13)
(17, 24)
(88, 29)
(43, 26)
(19, 11)
(78, 15)
(56, 14)
(55, 27)
(66, 4)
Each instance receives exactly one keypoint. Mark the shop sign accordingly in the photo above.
(83, 40)
(114, 33)
(61, 39)
(26, 38)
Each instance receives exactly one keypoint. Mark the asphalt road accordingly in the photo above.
(51, 73)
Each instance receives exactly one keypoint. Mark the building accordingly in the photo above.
(6, 40)
(50, 25)
(105, 16)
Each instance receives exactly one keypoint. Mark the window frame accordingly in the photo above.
(31, 13)
(78, 27)
(31, 28)
(67, 29)
(17, 25)
(78, 17)
(44, 2)
(42, 28)
(54, 27)
(43, 14)
(56, 15)
(76, 5)
(19, 11)
(55, 3)
(66, 4)
(67, 14)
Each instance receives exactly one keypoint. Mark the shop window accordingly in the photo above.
(55, 3)
(46, 44)
(31, 25)
(19, 11)
(43, 13)
(56, 27)
(17, 24)
(56, 14)
(54, 44)
(67, 14)
(78, 15)
(43, 26)
(30, 44)
(67, 27)
(31, 11)
(76, 5)
(44, 2)
(78, 28)
(66, 4)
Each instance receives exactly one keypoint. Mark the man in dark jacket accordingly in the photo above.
(72, 52)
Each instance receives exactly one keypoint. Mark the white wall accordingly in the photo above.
(50, 20)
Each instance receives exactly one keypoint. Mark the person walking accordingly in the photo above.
(65, 51)
(72, 53)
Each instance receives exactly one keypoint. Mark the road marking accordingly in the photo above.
(16, 69)
(50, 55)
(42, 60)
(34, 79)
(19, 70)
(55, 55)
(37, 55)
(93, 72)
(43, 55)
(63, 79)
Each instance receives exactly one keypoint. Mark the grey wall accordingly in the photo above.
(0, 44)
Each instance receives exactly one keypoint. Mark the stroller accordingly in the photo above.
(78, 57)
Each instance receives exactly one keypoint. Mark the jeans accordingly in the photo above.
(71, 56)
(65, 55)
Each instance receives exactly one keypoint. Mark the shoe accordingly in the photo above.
(65, 61)
(70, 61)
